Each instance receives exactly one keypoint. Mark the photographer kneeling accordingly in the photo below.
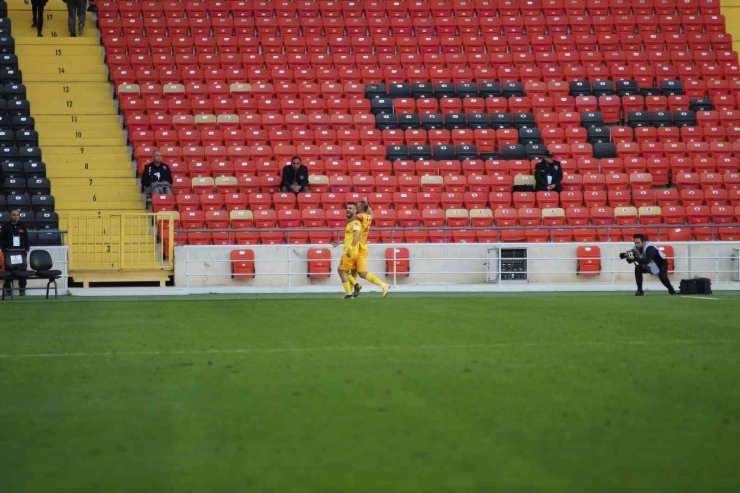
(647, 258)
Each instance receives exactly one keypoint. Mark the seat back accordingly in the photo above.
(41, 260)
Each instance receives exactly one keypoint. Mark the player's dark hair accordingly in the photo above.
(351, 203)
(294, 158)
(639, 236)
(362, 206)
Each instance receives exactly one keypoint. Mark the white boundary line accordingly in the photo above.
(700, 297)
(365, 348)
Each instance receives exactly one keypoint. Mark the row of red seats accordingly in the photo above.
(349, 140)
(129, 55)
(288, 97)
(462, 218)
(386, 174)
(453, 200)
(458, 9)
(250, 224)
(145, 69)
(420, 47)
(426, 29)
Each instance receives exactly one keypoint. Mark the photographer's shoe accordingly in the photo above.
(672, 292)
(640, 293)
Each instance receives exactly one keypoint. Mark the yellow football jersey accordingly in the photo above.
(349, 231)
(366, 221)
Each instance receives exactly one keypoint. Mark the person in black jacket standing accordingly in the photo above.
(295, 177)
(548, 174)
(647, 258)
(14, 240)
(157, 177)
(37, 8)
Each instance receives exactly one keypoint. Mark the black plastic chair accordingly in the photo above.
(41, 263)
(19, 272)
(7, 281)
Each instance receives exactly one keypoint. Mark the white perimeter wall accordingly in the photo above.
(449, 266)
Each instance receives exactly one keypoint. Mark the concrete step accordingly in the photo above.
(51, 65)
(69, 130)
(154, 273)
(78, 119)
(90, 174)
(99, 151)
(129, 205)
(60, 90)
(54, 50)
(78, 195)
(86, 142)
(82, 183)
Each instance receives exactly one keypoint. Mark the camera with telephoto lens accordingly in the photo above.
(624, 255)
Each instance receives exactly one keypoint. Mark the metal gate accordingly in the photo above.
(117, 242)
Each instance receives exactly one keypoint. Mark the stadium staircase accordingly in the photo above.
(97, 196)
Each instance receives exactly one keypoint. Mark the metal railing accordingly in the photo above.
(446, 234)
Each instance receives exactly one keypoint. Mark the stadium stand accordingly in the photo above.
(436, 109)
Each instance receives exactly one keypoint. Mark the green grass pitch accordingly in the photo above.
(576, 393)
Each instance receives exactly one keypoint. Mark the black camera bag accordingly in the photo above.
(700, 285)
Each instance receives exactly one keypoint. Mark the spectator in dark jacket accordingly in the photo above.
(157, 177)
(14, 240)
(548, 174)
(295, 177)
(37, 9)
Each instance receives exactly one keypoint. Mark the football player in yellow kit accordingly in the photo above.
(352, 233)
(365, 216)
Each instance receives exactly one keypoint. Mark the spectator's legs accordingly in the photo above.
(284, 189)
(38, 15)
(72, 19)
(305, 190)
(22, 286)
(81, 4)
(638, 277)
(663, 276)
(167, 190)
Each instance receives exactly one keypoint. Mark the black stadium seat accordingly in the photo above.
(408, 121)
(42, 203)
(444, 90)
(443, 152)
(421, 90)
(605, 150)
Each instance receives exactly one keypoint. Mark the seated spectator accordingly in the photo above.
(157, 177)
(295, 177)
(548, 174)
(15, 245)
